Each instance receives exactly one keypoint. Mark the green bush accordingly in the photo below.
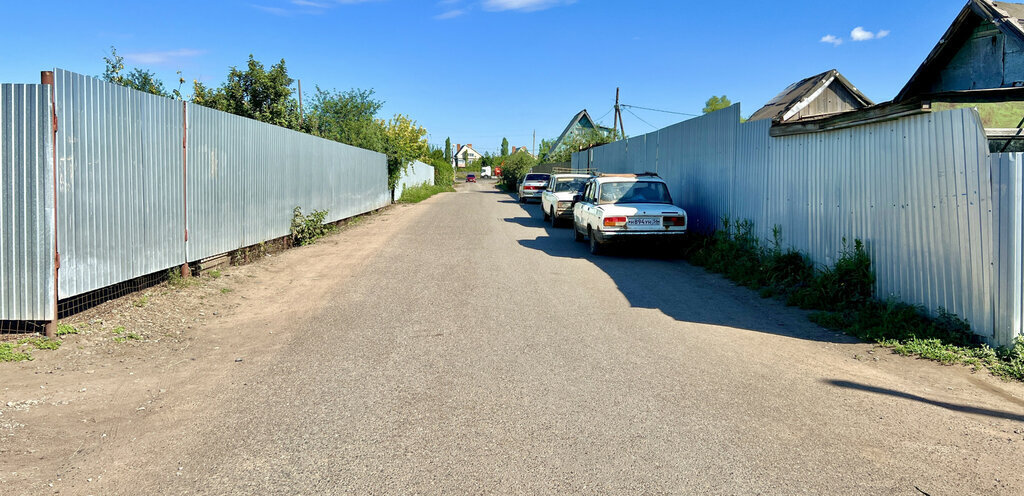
(443, 172)
(306, 229)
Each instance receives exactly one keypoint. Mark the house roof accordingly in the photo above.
(798, 95)
(1007, 17)
(467, 147)
(572, 123)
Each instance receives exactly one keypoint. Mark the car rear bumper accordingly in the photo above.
(631, 236)
(531, 194)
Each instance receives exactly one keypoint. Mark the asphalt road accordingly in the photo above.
(472, 349)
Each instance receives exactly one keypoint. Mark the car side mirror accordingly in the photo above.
(577, 198)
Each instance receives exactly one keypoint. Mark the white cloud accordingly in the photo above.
(861, 34)
(164, 57)
(523, 5)
(834, 40)
(451, 14)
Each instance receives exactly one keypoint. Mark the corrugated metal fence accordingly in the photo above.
(416, 174)
(26, 203)
(136, 171)
(916, 190)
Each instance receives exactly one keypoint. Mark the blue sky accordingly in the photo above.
(478, 70)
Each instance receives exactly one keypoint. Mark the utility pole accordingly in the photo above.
(618, 116)
(300, 101)
(533, 149)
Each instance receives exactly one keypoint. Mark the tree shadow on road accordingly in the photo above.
(941, 404)
(679, 290)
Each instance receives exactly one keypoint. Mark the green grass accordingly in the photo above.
(842, 297)
(122, 335)
(214, 273)
(40, 343)
(9, 353)
(416, 194)
(66, 329)
(225, 290)
(141, 302)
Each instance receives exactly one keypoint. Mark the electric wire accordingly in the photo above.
(641, 119)
(658, 110)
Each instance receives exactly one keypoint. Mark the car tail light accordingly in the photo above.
(614, 221)
(674, 221)
(530, 188)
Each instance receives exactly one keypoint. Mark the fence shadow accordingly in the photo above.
(679, 290)
(913, 397)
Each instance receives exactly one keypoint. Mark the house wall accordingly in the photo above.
(835, 98)
(988, 59)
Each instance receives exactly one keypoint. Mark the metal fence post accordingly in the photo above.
(46, 78)
(186, 271)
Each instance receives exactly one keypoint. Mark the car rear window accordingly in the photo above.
(635, 192)
(538, 177)
(570, 184)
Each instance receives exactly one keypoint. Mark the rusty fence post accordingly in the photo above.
(186, 271)
(46, 78)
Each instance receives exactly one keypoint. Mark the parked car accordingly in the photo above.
(532, 186)
(556, 200)
(626, 207)
(470, 178)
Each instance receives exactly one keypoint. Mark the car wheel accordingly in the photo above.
(596, 247)
(554, 220)
(576, 234)
(521, 199)
(546, 216)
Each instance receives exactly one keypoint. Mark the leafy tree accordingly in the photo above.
(448, 150)
(404, 141)
(514, 167)
(257, 93)
(716, 103)
(348, 117)
(137, 79)
(504, 146)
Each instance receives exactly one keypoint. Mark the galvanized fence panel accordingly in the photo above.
(1007, 175)
(245, 178)
(119, 183)
(26, 203)
(918, 191)
(416, 174)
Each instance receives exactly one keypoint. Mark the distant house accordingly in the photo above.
(466, 155)
(580, 123)
(520, 149)
(978, 62)
(827, 93)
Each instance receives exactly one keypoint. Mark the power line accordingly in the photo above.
(605, 114)
(641, 119)
(659, 110)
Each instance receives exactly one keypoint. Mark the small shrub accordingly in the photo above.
(176, 280)
(306, 229)
(9, 354)
(41, 343)
(66, 329)
(141, 302)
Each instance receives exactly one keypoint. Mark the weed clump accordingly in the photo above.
(306, 229)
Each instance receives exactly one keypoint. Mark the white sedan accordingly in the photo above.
(556, 201)
(626, 207)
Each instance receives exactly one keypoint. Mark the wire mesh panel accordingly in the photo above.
(26, 204)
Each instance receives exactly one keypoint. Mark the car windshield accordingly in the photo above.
(635, 192)
(537, 177)
(574, 184)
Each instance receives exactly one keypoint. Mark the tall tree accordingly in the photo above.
(716, 103)
(504, 146)
(137, 79)
(448, 150)
(257, 93)
(404, 141)
(348, 117)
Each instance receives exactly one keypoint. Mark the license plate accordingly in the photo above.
(643, 222)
